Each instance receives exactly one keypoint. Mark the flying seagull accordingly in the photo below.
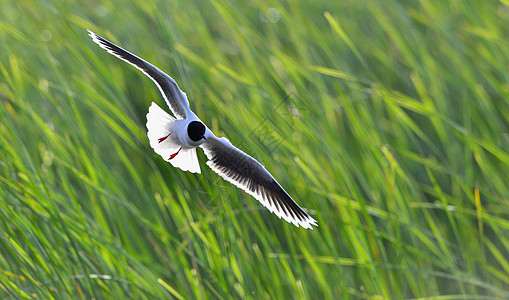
(176, 139)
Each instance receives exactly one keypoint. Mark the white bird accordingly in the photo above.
(176, 139)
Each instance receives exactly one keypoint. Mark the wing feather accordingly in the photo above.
(175, 98)
(249, 175)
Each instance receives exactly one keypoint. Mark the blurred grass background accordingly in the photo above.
(387, 120)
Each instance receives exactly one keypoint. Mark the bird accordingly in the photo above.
(175, 139)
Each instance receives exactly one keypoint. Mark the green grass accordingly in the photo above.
(394, 135)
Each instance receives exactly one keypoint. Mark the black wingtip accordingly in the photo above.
(91, 33)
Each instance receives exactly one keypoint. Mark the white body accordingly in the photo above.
(160, 124)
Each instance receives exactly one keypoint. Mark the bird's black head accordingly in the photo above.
(196, 130)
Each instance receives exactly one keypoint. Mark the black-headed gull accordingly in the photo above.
(176, 139)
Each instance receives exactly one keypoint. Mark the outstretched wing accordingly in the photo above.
(249, 175)
(174, 96)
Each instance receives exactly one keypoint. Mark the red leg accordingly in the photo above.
(163, 138)
(175, 154)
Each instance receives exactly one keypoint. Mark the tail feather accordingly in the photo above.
(187, 160)
(159, 126)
